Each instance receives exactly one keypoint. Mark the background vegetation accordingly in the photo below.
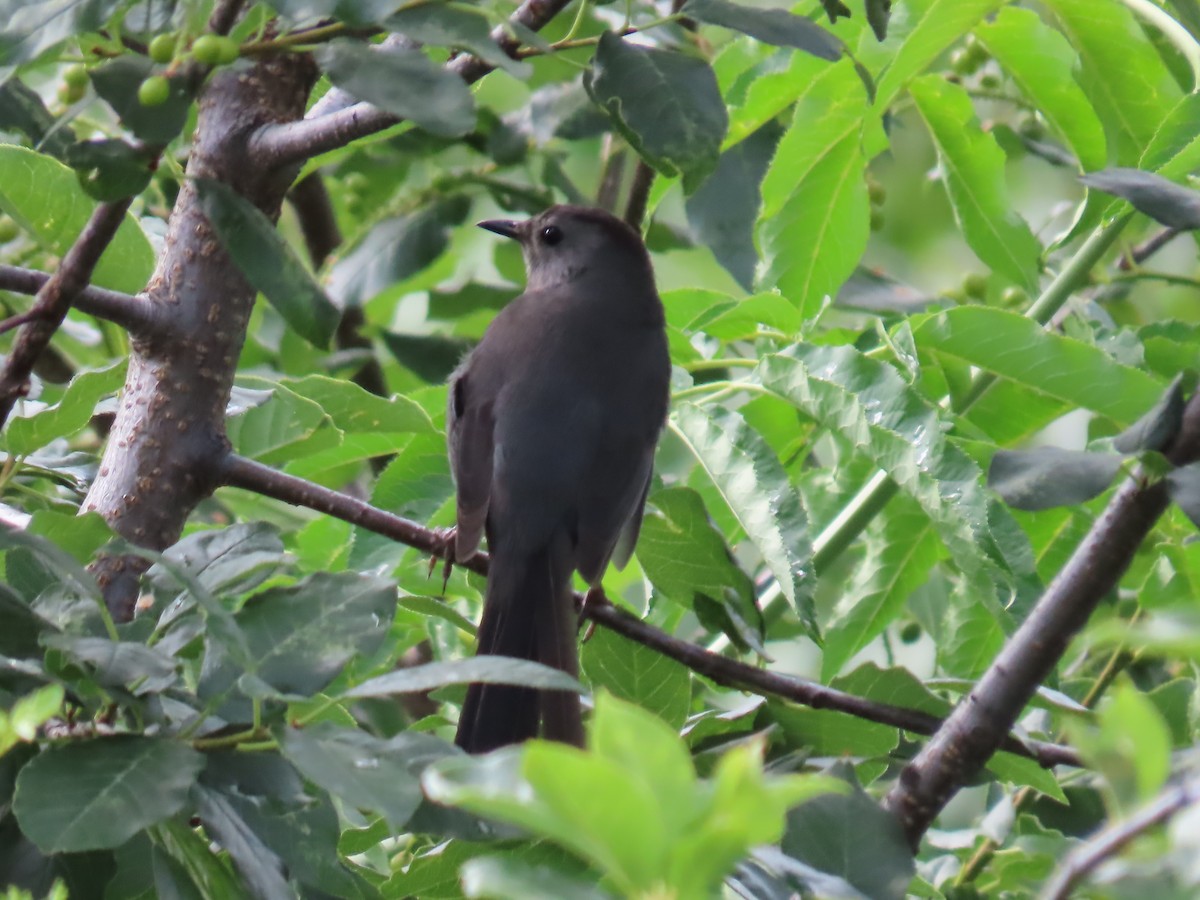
(914, 609)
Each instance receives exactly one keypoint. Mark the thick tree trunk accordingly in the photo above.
(168, 439)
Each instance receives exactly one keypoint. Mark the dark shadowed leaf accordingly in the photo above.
(431, 357)
(878, 13)
(1184, 487)
(117, 82)
(1157, 428)
(638, 674)
(403, 82)
(455, 25)
(110, 170)
(31, 28)
(852, 837)
(268, 262)
(506, 878)
(666, 104)
(97, 794)
(484, 669)
(22, 109)
(393, 250)
(262, 869)
(771, 26)
(363, 771)
(1160, 199)
(300, 637)
(723, 209)
(1049, 477)
(125, 664)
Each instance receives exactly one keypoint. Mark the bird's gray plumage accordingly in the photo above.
(553, 419)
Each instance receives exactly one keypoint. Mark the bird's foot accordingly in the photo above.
(592, 599)
(443, 551)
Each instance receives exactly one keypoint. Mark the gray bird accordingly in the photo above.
(553, 420)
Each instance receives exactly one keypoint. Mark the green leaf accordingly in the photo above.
(118, 664)
(666, 104)
(300, 637)
(752, 482)
(770, 92)
(31, 29)
(359, 769)
(22, 109)
(45, 199)
(69, 415)
(110, 170)
(1162, 200)
(282, 428)
(404, 82)
(684, 555)
(455, 25)
(261, 869)
(815, 194)
(899, 557)
(1040, 62)
(826, 732)
(1184, 487)
(639, 675)
(268, 262)
(870, 404)
(851, 836)
(941, 23)
(96, 794)
(32, 711)
(353, 409)
(117, 82)
(1017, 348)
(1046, 477)
(1159, 426)
(1122, 73)
(771, 26)
(482, 669)
(506, 878)
(972, 166)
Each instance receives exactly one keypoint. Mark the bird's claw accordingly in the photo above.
(443, 551)
(593, 598)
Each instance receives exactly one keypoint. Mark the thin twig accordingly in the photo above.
(135, 314)
(253, 476)
(293, 142)
(54, 299)
(639, 194)
(224, 16)
(1085, 858)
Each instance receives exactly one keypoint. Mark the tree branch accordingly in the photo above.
(54, 299)
(253, 476)
(978, 725)
(1085, 858)
(132, 313)
(291, 143)
(639, 194)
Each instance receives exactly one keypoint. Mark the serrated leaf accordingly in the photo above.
(404, 82)
(972, 166)
(1017, 348)
(43, 196)
(287, 425)
(268, 262)
(482, 669)
(1121, 72)
(666, 104)
(353, 409)
(639, 675)
(1040, 62)
(71, 413)
(941, 23)
(754, 485)
(96, 794)
(771, 26)
(1048, 476)
(455, 25)
(1160, 199)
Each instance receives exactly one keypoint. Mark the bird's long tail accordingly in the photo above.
(528, 613)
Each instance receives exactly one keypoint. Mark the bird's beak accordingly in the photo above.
(506, 227)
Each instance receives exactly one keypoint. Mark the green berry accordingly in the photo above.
(213, 50)
(975, 285)
(76, 76)
(910, 633)
(69, 93)
(876, 191)
(1031, 126)
(154, 91)
(961, 63)
(8, 230)
(1014, 298)
(990, 81)
(162, 48)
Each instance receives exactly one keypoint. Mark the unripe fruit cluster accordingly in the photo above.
(74, 84)
(209, 49)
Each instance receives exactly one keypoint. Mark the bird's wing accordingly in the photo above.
(611, 514)
(470, 427)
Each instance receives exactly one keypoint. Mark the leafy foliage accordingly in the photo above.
(920, 330)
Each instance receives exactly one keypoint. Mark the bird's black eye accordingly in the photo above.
(551, 235)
